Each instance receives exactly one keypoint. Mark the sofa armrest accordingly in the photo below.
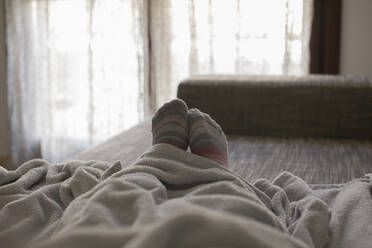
(316, 106)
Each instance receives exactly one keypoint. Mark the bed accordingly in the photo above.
(300, 157)
(316, 127)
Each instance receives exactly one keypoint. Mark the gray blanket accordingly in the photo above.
(171, 198)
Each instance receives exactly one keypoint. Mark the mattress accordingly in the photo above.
(317, 161)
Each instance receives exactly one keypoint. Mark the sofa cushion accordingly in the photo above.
(311, 106)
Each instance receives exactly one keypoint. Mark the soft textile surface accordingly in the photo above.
(315, 160)
(170, 198)
(348, 222)
(311, 106)
(78, 90)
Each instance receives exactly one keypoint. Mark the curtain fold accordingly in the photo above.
(76, 73)
(326, 37)
(80, 71)
(227, 37)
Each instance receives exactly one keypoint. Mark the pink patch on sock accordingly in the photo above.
(213, 153)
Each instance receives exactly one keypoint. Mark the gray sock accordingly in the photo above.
(169, 124)
(206, 137)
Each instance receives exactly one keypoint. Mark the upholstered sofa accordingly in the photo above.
(317, 127)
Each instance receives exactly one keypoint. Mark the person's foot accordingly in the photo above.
(206, 137)
(169, 124)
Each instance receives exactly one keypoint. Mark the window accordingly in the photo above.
(81, 71)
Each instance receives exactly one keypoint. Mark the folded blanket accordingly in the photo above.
(171, 198)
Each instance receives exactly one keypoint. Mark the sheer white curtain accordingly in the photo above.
(80, 71)
(227, 36)
(75, 74)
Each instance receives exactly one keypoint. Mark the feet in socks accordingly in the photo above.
(169, 124)
(206, 137)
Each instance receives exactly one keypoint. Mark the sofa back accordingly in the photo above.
(315, 106)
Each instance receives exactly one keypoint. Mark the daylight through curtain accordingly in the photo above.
(257, 37)
(80, 71)
(75, 74)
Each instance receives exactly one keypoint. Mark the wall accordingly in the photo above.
(4, 127)
(356, 37)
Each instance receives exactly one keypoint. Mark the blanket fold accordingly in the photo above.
(168, 198)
